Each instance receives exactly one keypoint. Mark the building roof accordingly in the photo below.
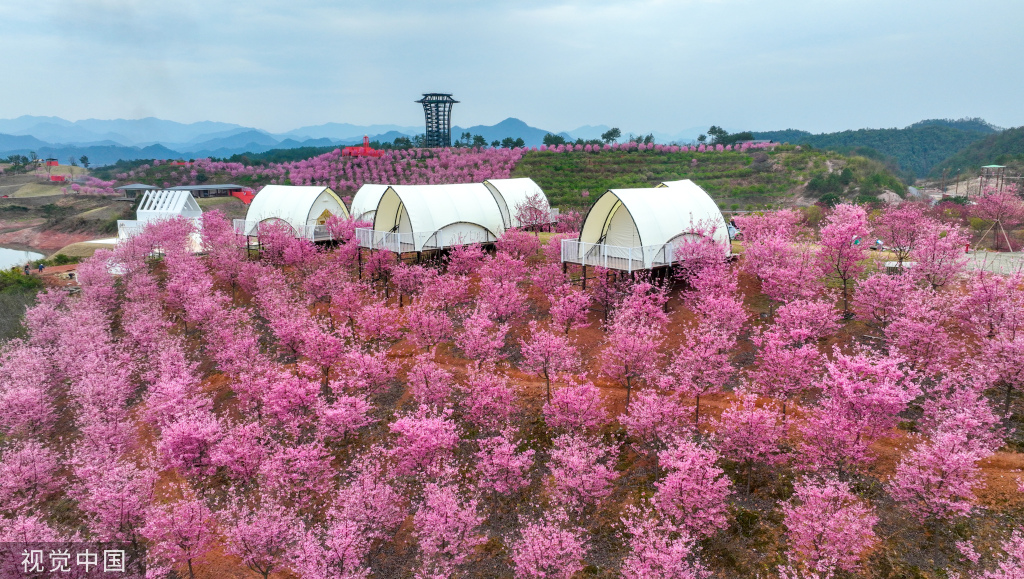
(653, 216)
(509, 194)
(365, 201)
(165, 204)
(425, 209)
(206, 185)
(298, 206)
(137, 187)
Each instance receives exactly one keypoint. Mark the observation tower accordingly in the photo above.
(437, 108)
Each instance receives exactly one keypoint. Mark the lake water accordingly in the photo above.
(16, 258)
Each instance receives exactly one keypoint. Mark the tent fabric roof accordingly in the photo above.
(510, 193)
(654, 216)
(164, 204)
(291, 204)
(430, 208)
(366, 199)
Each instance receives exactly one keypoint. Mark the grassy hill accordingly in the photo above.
(751, 178)
(916, 149)
(1005, 148)
(732, 178)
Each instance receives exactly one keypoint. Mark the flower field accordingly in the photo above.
(317, 412)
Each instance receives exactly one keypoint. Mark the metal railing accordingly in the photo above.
(418, 241)
(129, 227)
(616, 257)
(393, 242)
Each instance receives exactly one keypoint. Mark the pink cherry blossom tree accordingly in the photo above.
(263, 535)
(447, 528)
(631, 350)
(843, 247)
(828, 527)
(547, 354)
(701, 365)
(654, 419)
(424, 439)
(501, 467)
(901, 227)
(750, 435)
(582, 471)
(489, 402)
(549, 547)
(180, 532)
(576, 408)
(935, 482)
(481, 339)
(659, 550)
(693, 494)
(569, 310)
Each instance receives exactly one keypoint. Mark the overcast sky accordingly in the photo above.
(819, 65)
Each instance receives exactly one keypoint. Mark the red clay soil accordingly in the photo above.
(39, 239)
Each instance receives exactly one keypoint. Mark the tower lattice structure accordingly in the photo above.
(437, 108)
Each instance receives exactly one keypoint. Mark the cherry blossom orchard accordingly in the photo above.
(784, 407)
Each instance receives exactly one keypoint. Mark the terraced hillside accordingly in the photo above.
(778, 176)
(785, 175)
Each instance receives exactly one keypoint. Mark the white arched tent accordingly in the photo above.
(631, 229)
(159, 205)
(364, 204)
(306, 209)
(510, 194)
(423, 217)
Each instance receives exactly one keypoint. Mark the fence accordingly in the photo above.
(393, 242)
(425, 241)
(627, 259)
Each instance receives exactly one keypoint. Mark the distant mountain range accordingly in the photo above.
(107, 141)
(916, 149)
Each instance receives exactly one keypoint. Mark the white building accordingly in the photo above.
(364, 204)
(510, 194)
(424, 217)
(305, 209)
(637, 229)
(159, 205)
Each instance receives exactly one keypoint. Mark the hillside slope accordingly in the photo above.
(786, 175)
(731, 177)
(917, 148)
(1001, 148)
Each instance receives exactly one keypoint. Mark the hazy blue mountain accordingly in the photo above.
(19, 142)
(99, 154)
(293, 144)
(242, 139)
(588, 132)
(17, 126)
(510, 127)
(152, 129)
(124, 131)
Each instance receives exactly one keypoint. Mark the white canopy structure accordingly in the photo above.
(422, 217)
(364, 204)
(306, 209)
(510, 194)
(159, 205)
(631, 229)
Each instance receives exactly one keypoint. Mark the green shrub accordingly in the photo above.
(14, 280)
(830, 199)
